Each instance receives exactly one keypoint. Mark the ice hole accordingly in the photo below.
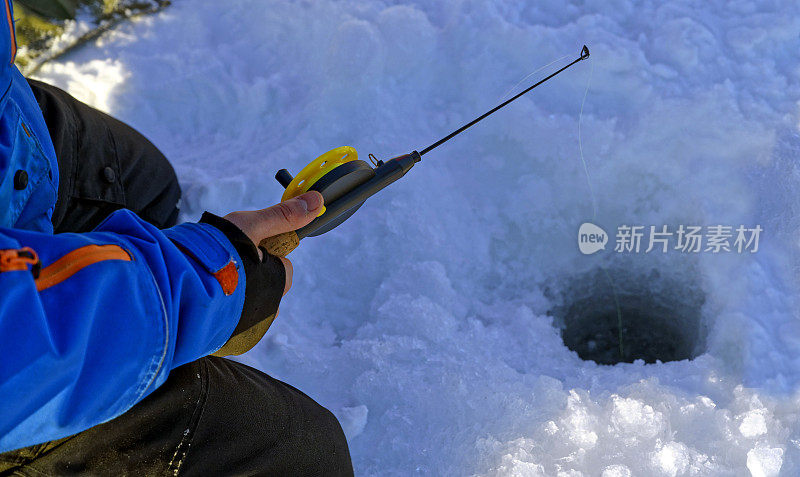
(661, 316)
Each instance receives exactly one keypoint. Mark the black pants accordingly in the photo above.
(212, 416)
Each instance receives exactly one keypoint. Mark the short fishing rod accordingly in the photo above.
(346, 182)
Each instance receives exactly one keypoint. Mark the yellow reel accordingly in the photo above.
(320, 166)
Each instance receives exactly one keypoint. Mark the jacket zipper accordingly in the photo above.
(19, 259)
(77, 260)
(64, 267)
(12, 32)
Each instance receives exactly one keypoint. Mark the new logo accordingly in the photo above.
(591, 238)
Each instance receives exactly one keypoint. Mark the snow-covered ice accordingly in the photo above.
(428, 323)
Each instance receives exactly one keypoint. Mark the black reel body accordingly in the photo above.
(338, 182)
(344, 181)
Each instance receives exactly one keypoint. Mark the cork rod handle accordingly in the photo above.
(281, 245)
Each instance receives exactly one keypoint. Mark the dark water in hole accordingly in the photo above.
(661, 318)
(597, 339)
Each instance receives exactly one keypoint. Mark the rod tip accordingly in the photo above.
(584, 52)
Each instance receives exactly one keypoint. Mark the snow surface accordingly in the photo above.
(425, 322)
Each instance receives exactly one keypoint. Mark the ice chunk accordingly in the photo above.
(353, 420)
(672, 458)
(616, 471)
(754, 423)
(765, 461)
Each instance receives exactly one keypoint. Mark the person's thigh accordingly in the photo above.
(104, 165)
(212, 417)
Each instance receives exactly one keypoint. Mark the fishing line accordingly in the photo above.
(611, 282)
(501, 98)
(531, 74)
(580, 142)
(592, 196)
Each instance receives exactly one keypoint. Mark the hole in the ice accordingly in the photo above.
(661, 316)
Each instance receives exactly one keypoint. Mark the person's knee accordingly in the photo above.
(331, 431)
(279, 430)
(323, 439)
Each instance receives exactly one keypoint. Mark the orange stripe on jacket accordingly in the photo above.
(77, 260)
(11, 31)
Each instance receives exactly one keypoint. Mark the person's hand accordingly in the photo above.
(284, 217)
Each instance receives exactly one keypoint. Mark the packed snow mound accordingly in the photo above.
(431, 322)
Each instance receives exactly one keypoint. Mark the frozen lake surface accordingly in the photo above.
(431, 322)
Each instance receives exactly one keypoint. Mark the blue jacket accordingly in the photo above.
(112, 311)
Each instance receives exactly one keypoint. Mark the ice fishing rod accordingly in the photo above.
(346, 182)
